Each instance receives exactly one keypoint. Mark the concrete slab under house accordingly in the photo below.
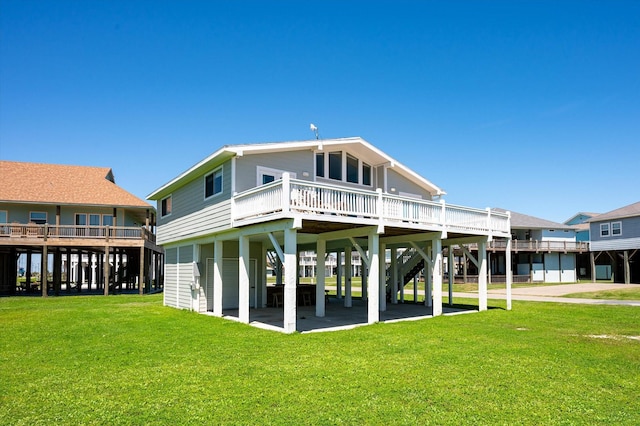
(248, 209)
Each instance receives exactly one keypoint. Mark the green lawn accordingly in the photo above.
(631, 293)
(129, 360)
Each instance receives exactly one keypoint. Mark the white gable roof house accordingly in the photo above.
(218, 220)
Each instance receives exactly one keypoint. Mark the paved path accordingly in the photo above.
(554, 293)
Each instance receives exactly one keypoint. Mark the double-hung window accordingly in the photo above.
(604, 230)
(213, 183)
(616, 228)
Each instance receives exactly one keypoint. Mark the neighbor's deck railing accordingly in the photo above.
(540, 245)
(19, 230)
(312, 198)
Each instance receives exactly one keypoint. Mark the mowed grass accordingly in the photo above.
(129, 360)
(631, 293)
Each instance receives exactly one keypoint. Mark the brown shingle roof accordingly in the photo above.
(61, 184)
(626, 211)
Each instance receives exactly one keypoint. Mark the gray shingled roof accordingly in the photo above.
(523, 221)
(626, 211)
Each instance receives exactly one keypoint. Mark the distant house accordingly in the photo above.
(219, 219)
(580, 222)
(72, 229)
(615, 244)
(542, 250)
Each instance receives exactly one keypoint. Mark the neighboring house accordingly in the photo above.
(542, 250)
(615, 244)
(220, 218)
(71, 228)
(580, 222)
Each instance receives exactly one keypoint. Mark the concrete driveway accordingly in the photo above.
(554, 293)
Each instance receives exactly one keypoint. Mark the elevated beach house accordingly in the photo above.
(543, 251)
(72, 229)
(615, 244)
(218, 220)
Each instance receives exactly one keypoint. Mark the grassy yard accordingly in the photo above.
(631, 293)
(129, 360)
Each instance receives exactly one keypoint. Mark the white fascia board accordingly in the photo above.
(404, 170)
(168, 187)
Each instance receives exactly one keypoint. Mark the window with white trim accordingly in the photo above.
(604, 229)
(165, 206)
(335, 165)
(342, 166)
(213, 183)
(38, 217)
(616, 228)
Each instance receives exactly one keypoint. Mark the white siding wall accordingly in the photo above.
(192, 215)
(171, 277)
(185, 276)
(210, 219)
(401, 184)
(297, 162)
(615, 244)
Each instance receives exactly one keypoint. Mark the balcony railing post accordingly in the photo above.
(379, 207)
(286, 193)
(443, 214)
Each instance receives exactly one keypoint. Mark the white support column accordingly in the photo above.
(364, 280)
(321, 248)
(347, 277)
(290, 279)
(428, 283)
(382, 277)
(217, 278)
(339, 275)
(482, 275)
(243, 279)
(262, 280)
(373, 305)
(436, 255)
(394, 276)
(452, 268)
(507, 271)
(415, 289)
(488, 267)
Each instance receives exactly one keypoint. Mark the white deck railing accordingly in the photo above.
(318, 199)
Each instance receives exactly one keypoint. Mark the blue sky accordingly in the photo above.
(529, 106)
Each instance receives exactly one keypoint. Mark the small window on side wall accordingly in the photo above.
(213, 183)
(604, 229)
(38, 217)
(165, 208)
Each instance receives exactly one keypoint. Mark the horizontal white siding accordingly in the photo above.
(296, 162)
(171, 277)
(615, 244)
(211, 219)
(402, 184)
(185, 276)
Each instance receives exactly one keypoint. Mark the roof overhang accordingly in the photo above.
(366, 152)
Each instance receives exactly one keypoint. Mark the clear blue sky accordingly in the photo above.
(530, 106)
